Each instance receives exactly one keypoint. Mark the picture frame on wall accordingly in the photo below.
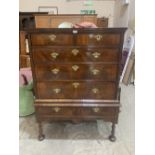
(49, 9)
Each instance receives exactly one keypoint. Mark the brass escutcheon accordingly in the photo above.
(98, 37)
(56, 109)
(54, 55)
(75, 84)
(52, 37)
(75, 67)
(96, 109)
(57, 90)
(96, 54)
(75, 52)
(55, 71)
(95, 71)
(95, 90)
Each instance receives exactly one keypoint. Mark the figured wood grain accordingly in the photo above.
(98, 39)
(77, 85)
(107, 72)
(52, 39)
(84, 54)
(83, 91)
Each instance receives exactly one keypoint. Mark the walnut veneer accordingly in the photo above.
(76, 74)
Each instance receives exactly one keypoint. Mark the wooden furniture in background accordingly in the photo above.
(26, 19)
(76, 74)
(102, 22)
(26, 22)
(24, 58)
(53, 21)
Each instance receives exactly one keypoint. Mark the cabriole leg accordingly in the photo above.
(112, 137)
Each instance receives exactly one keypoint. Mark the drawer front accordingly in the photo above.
(75, 111)
(76, 90)
(71, 54)
(98, 39)
(76, 71)
(52, 39)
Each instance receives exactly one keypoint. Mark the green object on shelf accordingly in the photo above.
(91, 12)
(26, 100)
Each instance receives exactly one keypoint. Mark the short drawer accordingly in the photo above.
(74, 54)
(76, 90)
(51, 39)
(75, 111)
(76, 71)
(98, 39)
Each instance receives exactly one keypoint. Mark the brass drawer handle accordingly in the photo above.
(75, 52)
(75, 84)
(75, 67)
(55, 71)
(56, 109)
(52, 37)
(54, 55)
(96, 109)
(98, 37)
(57, 90)
(96, 54)
(95, 90)
(95, 71)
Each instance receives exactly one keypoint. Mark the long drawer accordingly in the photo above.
(76, 71)
(75, 54)
(80, 39)
(75, 111)
(76, 90)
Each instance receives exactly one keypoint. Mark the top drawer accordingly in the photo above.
(52, 39)
(98, 39)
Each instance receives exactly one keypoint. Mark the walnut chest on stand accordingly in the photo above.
(76, 74)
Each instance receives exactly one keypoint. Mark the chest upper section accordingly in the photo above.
(80, 39)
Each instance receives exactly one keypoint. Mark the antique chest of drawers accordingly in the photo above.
(76, 74)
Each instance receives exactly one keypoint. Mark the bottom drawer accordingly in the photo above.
(75, 111)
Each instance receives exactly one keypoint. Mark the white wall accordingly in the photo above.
(123, 14)
(131, 20)
(103, 8)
